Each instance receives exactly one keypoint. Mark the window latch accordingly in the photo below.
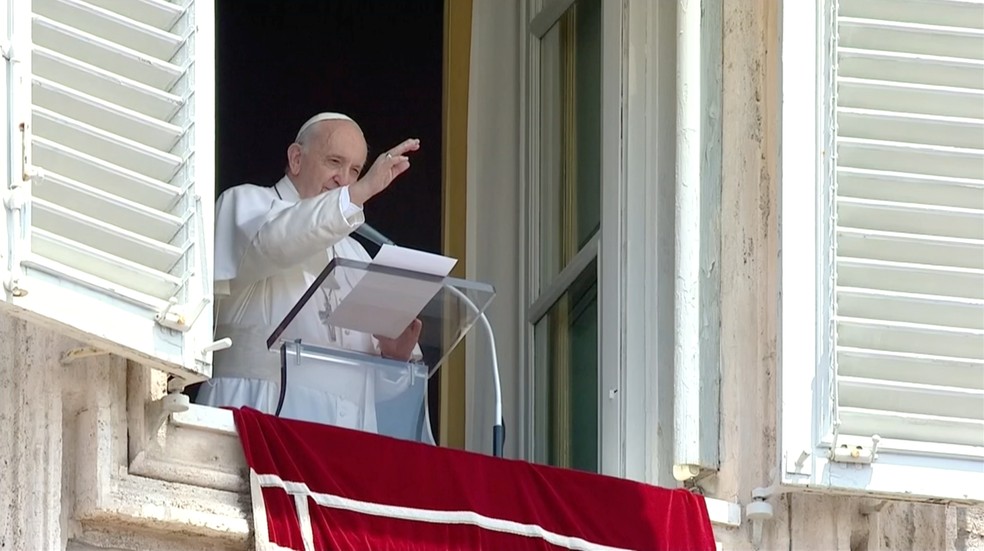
(844, 453)
(178, 318)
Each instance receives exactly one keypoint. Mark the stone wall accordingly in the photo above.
(965, 528)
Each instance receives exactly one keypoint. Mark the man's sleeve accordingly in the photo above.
(257, 236)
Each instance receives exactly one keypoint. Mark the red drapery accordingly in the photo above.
(322, 487)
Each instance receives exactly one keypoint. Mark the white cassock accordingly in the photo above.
(270, 245)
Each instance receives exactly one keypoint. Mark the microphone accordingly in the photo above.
(499, 428)
(370, 233)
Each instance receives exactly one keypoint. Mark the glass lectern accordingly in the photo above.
(337, 321)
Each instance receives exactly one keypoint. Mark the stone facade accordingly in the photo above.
(81, 473)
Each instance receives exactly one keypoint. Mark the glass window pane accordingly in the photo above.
(570, 136)
(566, 378)
(587, 119)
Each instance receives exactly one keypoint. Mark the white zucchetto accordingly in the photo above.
(328, 116)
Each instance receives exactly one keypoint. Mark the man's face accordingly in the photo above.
(332, 157)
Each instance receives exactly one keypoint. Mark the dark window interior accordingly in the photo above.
(379, 61)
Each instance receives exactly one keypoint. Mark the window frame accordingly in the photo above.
(540, 16)
(635, 240)
(807, 408)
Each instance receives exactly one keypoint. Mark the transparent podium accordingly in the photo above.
(333, 335)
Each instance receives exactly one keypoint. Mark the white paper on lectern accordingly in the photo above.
(418, 261)
(384, 304)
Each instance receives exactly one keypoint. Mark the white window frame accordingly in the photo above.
(541, 15)
(645, 243)
(635, 243)
(806, 408)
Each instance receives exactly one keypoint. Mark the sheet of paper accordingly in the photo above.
(385, 304)
(411, 259)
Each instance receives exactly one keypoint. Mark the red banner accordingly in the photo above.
(323, 487)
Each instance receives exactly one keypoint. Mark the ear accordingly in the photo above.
(294, 159)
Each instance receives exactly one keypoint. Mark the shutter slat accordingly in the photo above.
(906, 67)
(905, 97)
(953, 162)
(99, 264)
(895, 36)
(910, 247)
(104, 84)
(113, 57)
(96, 232)
(906, 277)
(111, 26)
(910, 368)
(909, 307)
(912, 338)
(105, 115)
(159, 14)
(948, 13)
(912, 426)
(112, 148)
(910, 188)
(916, 128)
(96, 203)
(901, 217)
(926, 399)
(105, 176)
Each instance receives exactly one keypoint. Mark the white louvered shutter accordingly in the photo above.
(119, 228)
(909, 231)
(882, 248)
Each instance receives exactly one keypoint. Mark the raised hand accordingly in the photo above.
(383, 171)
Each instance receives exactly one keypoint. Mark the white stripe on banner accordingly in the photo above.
(304, 518)
(261, 535)
(433, 516)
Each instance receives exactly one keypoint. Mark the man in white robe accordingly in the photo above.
(270, 245)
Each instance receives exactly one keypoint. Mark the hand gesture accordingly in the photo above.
(401, 348)
(383, 171)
